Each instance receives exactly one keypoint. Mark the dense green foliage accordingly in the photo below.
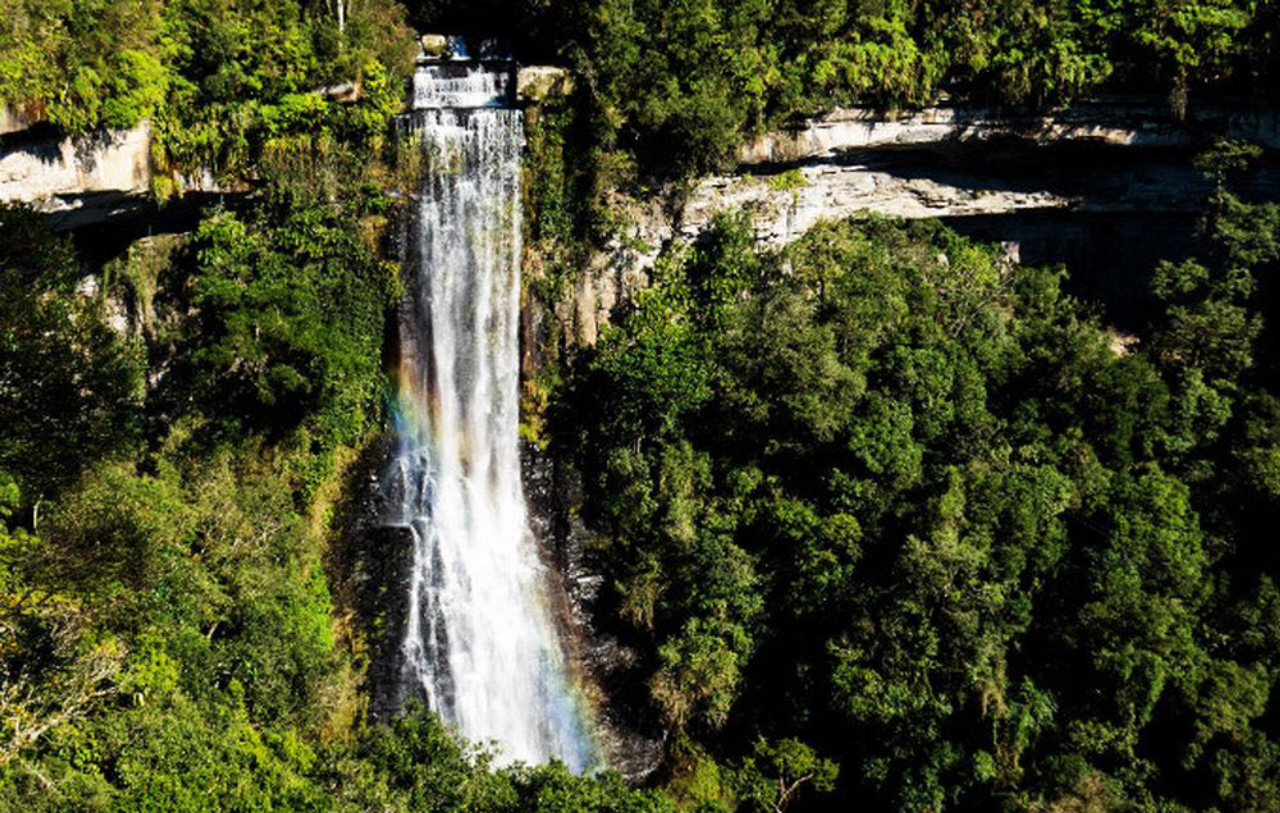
(679, 84)
(891, 497)
(168, 489)
(219, 78)
(673, 85)
(290, 315)
(887, 521)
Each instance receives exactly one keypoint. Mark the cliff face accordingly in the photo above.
(1119, 121)
(1105, 186)
(80, 179)
(1114, 156)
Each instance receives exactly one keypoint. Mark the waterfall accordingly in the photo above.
(480, 644)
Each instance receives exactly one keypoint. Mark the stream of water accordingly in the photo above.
(481, 644)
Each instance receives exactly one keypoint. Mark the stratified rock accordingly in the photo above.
(369, 567)
(56, 174)
(1118, 122)
(830, 192)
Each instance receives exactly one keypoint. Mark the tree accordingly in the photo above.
(772, 778)
(70, 386)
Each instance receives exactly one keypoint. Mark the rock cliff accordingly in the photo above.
(95, 175)
(1104, 184)
(1118, 121)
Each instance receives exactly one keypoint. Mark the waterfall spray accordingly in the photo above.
(480, 644)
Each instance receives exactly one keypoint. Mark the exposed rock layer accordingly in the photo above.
(57, 174)
(1103, 180)
(1122, 121)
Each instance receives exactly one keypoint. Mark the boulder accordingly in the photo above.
(535, 83)
(434, 45)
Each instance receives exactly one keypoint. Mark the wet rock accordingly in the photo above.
(368, 569)
(382, 579)
(631, 736)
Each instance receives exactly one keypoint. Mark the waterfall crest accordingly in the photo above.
(480, 642)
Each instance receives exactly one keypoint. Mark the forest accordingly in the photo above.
(891, 521)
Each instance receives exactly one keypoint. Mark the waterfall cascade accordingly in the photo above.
(480, 641)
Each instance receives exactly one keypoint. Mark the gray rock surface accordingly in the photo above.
(832, 192)
(13, 120)
(1122, 122)
(59, 174)
(971, 183)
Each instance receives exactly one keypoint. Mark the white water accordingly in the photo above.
(480, 642)
(459, 86)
